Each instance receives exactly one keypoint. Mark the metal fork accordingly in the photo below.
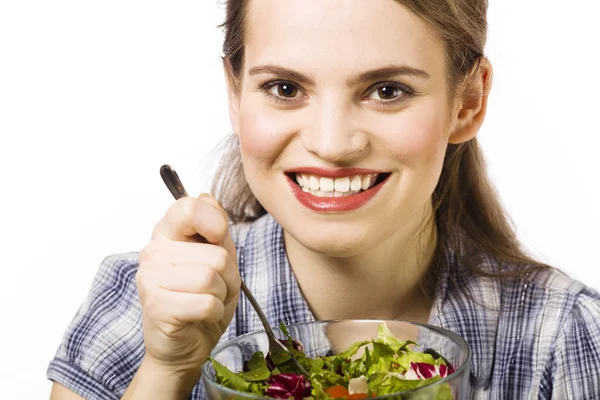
(276, 347)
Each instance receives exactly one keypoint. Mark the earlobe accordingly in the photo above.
(472, 104)
(232, 96)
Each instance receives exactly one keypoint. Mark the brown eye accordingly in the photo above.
(387, 92)
(287, 90)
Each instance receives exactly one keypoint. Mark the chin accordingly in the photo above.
(335, 243)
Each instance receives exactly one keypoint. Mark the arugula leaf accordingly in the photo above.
(227, 378)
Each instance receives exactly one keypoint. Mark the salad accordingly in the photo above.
(386, 366)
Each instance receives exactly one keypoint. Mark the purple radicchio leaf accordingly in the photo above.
(286, 385)
(423, 370)
(445, 370)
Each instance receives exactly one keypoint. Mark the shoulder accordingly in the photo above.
(549, 330)
(573, 368)
(551, 294)
(103, 345)
(520, 327)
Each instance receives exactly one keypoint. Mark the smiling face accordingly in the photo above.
(336, 97)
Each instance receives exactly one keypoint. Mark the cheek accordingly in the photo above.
(262, 133)
(420, 138)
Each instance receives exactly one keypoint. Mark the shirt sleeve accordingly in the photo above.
(103, 346)
(576, 359)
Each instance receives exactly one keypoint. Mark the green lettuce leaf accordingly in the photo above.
(227, 378)
(353, 349)
(385, 336)
(258, 370)
(389, 384)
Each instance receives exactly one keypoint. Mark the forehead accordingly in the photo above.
(352, 35)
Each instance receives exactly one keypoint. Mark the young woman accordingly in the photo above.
(353, 187)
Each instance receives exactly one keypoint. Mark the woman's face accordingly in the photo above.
(341, 95)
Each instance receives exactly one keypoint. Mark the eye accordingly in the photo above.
(281, 91)
(388, 92)
(286, 89)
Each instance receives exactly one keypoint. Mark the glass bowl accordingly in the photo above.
(322, 337)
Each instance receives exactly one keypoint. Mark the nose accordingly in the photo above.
(332, 133)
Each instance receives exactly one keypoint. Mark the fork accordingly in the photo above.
(276, 347)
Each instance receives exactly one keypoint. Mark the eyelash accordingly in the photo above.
(406, 92)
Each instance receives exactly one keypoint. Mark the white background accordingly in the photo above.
(95, 96)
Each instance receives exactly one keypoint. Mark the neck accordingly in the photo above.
(390, 281)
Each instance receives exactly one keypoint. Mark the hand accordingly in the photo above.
(189, 290)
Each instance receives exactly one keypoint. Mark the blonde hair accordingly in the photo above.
(464, 199)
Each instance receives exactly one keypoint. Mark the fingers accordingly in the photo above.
(182, 280)
(188, 217)
(177, 307)
(201, 262)
(189, 279)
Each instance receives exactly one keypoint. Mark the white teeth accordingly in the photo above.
(342, 184)
(305, 181)
(356, 183)
(314, 183)
(329, 187)
(366, 182)
(326, 184)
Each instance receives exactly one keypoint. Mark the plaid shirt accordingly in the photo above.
(534, 337)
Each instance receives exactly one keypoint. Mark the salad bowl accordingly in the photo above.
(425, 362)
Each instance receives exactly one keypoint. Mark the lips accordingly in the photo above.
(341, 190)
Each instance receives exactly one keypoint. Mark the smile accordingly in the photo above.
(321, 186)
(335, 190)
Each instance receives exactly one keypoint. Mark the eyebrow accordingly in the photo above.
(368, 76)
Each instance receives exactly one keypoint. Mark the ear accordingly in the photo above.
(232, 96)
(471, 103)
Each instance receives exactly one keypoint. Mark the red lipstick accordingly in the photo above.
(334, 204)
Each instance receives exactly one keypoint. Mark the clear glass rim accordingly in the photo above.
(437, 329)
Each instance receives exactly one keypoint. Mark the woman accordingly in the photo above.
(355, 188)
